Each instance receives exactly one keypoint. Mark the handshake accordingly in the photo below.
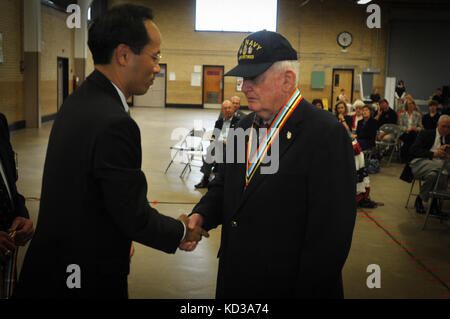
(194, 231)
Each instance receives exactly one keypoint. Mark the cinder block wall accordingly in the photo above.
(11, 79)
(57, 41)
(311, 29)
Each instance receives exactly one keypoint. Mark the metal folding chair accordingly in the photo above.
(411, 190)
(440, 195)
(396, 131)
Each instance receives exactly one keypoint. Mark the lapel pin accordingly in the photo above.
(289, 135)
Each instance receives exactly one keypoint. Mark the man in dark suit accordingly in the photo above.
(93, 202)
(221, 127)
(280, 237)
(427, 155)
(13, 213)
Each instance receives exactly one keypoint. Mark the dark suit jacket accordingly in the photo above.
(9, 166)
(219, 123)
(367, 131)
(283, 236)
(93, 201)
(423, 143)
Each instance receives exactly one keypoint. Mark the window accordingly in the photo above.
(235, 15)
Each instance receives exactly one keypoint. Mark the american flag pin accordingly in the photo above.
(289, 135)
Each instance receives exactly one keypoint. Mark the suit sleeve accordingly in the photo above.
(330, 220)
(11, 172)
(117, 168)
(419, 148)
(210, 205)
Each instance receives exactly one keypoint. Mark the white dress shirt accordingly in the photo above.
(122, 98)
(437, 142)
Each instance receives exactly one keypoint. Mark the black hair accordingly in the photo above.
(433, 102)
(384, 100)
(339, 103)
(121, 24)
(315, 101)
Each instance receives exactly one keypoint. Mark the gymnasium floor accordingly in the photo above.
(413, 263)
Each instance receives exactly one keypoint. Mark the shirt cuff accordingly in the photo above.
(184, 231)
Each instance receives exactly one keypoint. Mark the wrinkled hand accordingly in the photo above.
(7, 246)
(24, 230)
(195, 221)
(194, 232)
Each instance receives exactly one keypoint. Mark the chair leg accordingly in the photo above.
(390, 157)
(428, 214)
(410, 191)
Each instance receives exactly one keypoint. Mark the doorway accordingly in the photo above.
(212, 86)
(62, 80)
(156, 94)
(342, 79)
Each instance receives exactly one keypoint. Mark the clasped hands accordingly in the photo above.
(194, 231)
(441, 152)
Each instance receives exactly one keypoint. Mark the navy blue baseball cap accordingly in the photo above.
(259, 51)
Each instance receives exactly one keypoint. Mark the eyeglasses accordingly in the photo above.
(156, 58)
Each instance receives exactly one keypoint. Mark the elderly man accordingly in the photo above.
(428, 153)
(236, 101)
(94, 193)
(280, 237)
(223, 125)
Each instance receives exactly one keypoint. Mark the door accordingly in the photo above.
(212, 86)
(342, 79)
(62, 80)
(156, 94)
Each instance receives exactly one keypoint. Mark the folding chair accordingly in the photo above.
(438, 194)
(191, 145)
(411, 190)
(396, 131)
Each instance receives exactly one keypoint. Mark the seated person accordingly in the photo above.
(367, 130)
(236, 101)
(229, 121)
(438, 97)
(429, 120)
(341, 114)
(427, 155)
(375, 96)
(410, 123)
(318, 103)
(358, 105)
(385, 115)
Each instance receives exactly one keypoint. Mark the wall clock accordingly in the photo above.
(344, 39)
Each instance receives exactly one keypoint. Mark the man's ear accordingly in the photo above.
(122, 54)
(288, 79)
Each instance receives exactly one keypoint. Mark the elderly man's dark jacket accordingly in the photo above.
(219, 124)
(93, 202)
(288, 234)
(423, 143)
(16, 207)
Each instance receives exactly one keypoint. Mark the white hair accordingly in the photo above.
(293, 65)
(444, 117)
(236, 97)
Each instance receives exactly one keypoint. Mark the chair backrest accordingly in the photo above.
(392, 129)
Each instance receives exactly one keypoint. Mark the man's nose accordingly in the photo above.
(246, 86)
(156, 69)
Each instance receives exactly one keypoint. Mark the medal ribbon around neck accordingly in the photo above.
(273, 131)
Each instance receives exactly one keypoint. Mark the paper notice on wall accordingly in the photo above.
(172, 76)
(196, 79)
(197, 68)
